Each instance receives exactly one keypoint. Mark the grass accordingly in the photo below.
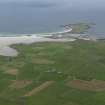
(80, 28)
(61, 62)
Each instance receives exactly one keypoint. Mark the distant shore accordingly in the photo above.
(63, 36)
(6, 42)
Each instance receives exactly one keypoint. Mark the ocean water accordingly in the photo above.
(42, 16)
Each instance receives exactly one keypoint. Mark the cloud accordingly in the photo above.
(30, 3)
(54, 3)
(37, 4)
(26, 3)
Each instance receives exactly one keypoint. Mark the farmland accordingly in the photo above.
(64, 73)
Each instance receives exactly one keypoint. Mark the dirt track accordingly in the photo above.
(39, 88)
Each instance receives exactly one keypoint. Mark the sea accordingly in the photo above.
(18, 17)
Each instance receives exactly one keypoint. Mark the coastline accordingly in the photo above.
(63, 36)
(7, 41)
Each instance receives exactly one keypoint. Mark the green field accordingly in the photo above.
(80, 28)
(41, 73)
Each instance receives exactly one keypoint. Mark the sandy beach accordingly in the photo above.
(6, 42)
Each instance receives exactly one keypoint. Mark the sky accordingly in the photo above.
(68, 1)
(84, 1)
(77, 4)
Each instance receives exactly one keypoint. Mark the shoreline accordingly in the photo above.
(7, 41)
(36, 34)
(63, 36)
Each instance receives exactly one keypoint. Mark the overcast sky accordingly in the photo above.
(82, 1)
(69, 3)
(58, 0)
